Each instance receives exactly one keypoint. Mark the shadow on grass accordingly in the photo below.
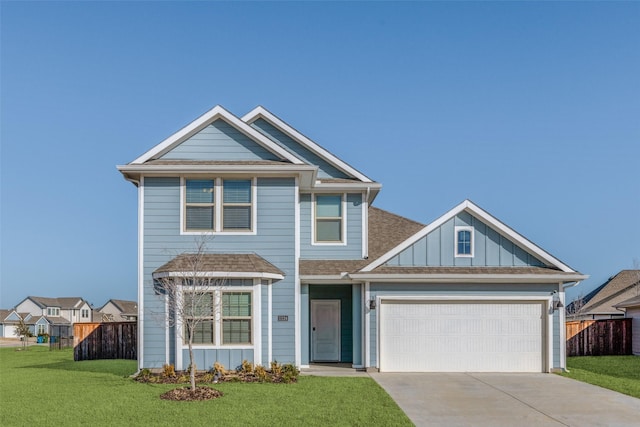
(118, 367)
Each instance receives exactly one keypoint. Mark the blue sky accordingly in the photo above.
(530, 109)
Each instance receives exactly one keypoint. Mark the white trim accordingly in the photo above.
(167, 335)
(464, 278)
(141, 273)
(476, 211)
(563, 329)
(367, 326)
(220, 274)
(217, 112)
(179, 340)
(457, 229)
(343, 225)
(365, 225)
(261, 112)
(296, 277)
(269, 324)
(256, 327)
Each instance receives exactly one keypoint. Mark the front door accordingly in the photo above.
(325, 330)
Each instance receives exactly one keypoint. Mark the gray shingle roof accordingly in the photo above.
(617, 289)
(232, 263)
(125, 307)
(62, 302)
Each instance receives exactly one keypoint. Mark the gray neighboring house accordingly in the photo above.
(631, 309)
(603, 302)
(55, 316)
(117, 310)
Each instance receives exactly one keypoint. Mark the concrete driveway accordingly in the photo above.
(480, 399)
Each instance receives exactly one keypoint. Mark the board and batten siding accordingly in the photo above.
(353, 248)
(469, 290)
(490, 248)
(219, 141)
(325, 169)
(274, 241)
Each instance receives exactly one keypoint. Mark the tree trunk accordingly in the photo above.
(192, 367)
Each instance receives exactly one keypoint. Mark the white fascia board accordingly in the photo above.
(483, 215)
(261, 112)
(217, 112)
(324, 279)
(220, 274)
(469, 278)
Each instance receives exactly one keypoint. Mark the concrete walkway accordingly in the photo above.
(461, 399)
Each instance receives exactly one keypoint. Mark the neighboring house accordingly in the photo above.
(9, 320)
(631, 309)
(117, 310)
(601, 303)
(49, 315)
(316, 274)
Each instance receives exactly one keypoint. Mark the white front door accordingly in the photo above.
(325, 330)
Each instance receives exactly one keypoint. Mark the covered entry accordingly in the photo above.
(462, 336)
(330, 323)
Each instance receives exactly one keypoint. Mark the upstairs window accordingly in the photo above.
(328, 218)
(218, 205)
(236, 211)
(84, 313)
(200, 205)
(464, 241)
(53, 311)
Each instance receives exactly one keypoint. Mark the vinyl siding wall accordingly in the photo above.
(219, 141)
(274, 241)
(353, 248)
(325, 170)
(470, 290)
(438, 248)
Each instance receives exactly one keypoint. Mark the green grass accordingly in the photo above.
(619, 373)
(42, 387)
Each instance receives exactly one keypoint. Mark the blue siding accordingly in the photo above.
(274, 241)
(229, 358)
(491, 249)
(353, 248)
(325, 170)
(471, 290)
(219, 141)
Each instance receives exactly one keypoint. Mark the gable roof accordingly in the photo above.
(125, 307)
(631, 302)
(61, 302)
(216, 113)
(616, 290)
(500, 227)
(262, 113)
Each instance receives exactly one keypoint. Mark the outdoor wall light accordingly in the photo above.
(372, 304)
(557, 305)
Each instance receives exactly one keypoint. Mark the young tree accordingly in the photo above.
(574, 309)
(192, 299)
(23, 331)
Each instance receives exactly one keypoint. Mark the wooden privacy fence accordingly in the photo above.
(611, 337)
(110, 340)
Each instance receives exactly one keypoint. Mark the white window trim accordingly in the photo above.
(343, 241)
(457, 229)
(217, 344)
(218, 208)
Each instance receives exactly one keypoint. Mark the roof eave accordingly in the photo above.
(469, 278)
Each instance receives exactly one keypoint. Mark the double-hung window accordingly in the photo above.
(218, 205)
(329, 225)
(464, 241)
(53, 311)
(199, 312)
(236, 318)
(200, 205)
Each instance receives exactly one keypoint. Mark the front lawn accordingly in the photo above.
(39, 387)
(619, 373)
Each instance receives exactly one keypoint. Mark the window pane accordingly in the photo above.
(236, 191)
(198, 305)
(329, 230)
(328, 206)
(236, 331)
(203, 333)
(464, 242)
(236, 217)
(199, 217)
(236, 304)
(199, 191)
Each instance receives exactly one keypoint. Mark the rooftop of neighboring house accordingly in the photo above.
(64, 303)
(618, 289)
(129, 308)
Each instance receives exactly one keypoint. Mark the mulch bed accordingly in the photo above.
(186, 394)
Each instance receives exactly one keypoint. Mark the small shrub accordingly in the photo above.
(276, 368)
(168, 371)
(208, 377)
(246, 367)
(218, 368)
(261, 373)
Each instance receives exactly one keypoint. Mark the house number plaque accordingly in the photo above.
(283, 318)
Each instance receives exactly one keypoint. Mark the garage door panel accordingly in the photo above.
(461, 336)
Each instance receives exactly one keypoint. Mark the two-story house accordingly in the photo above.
(55, 316)
(117, 310)
(315, 273)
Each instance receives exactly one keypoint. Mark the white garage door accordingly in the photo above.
(451, 336)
